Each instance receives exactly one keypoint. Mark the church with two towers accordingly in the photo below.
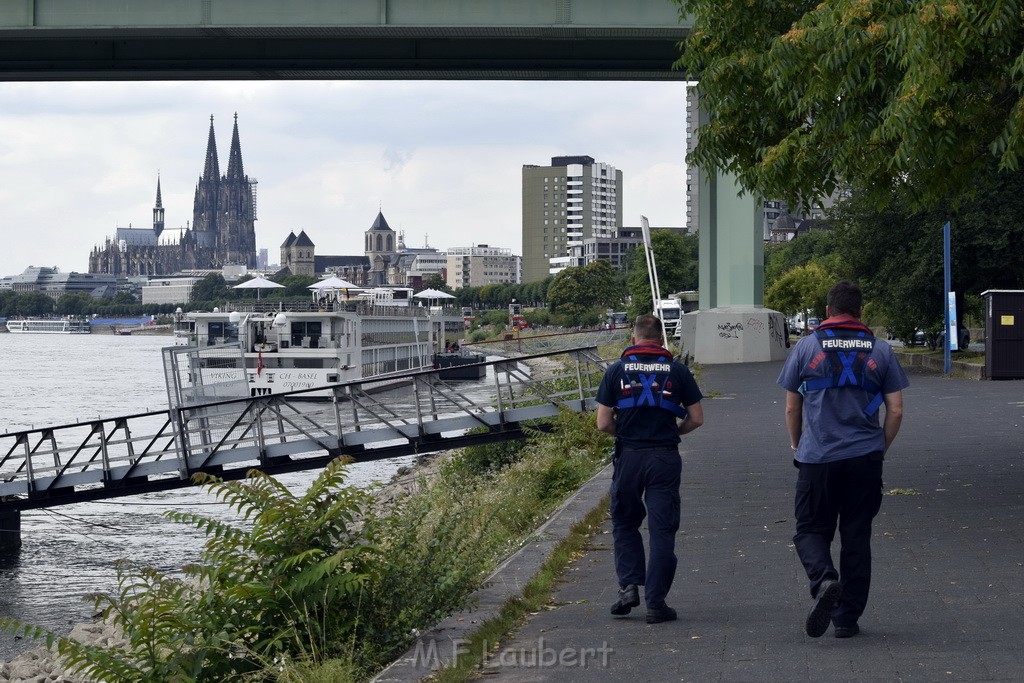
(222, 231)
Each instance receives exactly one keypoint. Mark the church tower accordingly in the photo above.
(224, 211)
(158, 212)
(380, 249)
(204, 207)
(237, 215)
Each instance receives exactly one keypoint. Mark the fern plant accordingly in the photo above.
(283, 582)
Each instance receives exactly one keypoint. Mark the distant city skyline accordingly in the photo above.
(442, 160)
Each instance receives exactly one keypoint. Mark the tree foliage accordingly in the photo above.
(435, 281)
(675, 257)
(896, 253)
(801, 288)
(578, 294)
(74, 303)
(819, 247)
(212, 287)
(914, 96)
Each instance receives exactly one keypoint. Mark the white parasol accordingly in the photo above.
(433, 294)
(258, 283)
(333, 282)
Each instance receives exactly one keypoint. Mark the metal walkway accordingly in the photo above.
(520, 345)
(112, 457)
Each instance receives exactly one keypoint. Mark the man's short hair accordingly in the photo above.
(845, 297)
(648, 327)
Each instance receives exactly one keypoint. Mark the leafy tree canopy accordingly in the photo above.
(74, 303)
(435, 281)
(33, 303)
(575, 293)
(896, 253)
(675, 257)
(801, 288)
(212, 287)
(915, 96)
(819, 246)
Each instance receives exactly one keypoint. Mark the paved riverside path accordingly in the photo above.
(946, 601)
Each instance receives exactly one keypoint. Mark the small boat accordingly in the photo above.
(49, 326)
(460, 364)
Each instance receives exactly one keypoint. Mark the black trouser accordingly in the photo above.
(648, 476)
(847, 493)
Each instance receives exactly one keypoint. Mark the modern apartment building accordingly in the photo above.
(482, 265)
(573, 199)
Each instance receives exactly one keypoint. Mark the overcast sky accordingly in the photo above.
(442, 160)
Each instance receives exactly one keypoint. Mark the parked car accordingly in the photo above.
(963, 343)
(812, 325)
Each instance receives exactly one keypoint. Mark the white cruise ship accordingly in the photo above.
(49, 326)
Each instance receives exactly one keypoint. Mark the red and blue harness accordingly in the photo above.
(847, 347)
(648, 383)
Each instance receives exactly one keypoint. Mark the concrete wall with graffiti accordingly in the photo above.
(734, 335)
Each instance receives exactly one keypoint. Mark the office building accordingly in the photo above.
(482, 265)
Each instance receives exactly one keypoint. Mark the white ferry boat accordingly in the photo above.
(331, 339)
(49, 326)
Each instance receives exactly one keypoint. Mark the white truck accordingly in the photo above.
(670, 314)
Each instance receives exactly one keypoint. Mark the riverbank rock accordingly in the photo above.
(41, 665)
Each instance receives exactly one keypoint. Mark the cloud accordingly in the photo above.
(442, 159)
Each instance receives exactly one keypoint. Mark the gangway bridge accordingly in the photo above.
(119, 456)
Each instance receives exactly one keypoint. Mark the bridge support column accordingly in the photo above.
(10, 530)
(732, 325)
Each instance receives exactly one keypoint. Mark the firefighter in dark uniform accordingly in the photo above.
(836, 380)
(647, 400)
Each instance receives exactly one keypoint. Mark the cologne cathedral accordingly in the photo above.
(222, 231)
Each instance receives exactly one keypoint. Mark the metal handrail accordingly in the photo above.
(109, 457)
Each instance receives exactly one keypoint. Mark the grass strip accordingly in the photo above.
(537, 593)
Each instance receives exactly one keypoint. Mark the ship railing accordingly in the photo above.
(419, 413)
(351, 306)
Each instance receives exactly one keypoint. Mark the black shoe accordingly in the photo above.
(656, 615)
(847, 631)
(820, 616)
(629, 597)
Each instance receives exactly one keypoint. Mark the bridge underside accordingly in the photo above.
(337, 53)
(354, 39)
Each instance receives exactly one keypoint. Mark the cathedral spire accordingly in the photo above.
(235, 157)
(158, 210)
(211, 170)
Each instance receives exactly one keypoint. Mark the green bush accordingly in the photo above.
(490, 457)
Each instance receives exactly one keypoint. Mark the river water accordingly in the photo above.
(69, 551)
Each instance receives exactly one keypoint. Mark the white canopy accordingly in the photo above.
(258, 283)
(433, 294)
(333, 282)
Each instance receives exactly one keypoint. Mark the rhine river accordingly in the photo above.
(69, 551)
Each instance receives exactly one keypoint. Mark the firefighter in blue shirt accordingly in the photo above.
(647, 400)
(836, 380)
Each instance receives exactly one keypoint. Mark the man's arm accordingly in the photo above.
(694, 418)
(794, 417)
(606, 419)
(893, 416)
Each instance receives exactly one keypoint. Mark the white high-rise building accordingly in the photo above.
(573, 199)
